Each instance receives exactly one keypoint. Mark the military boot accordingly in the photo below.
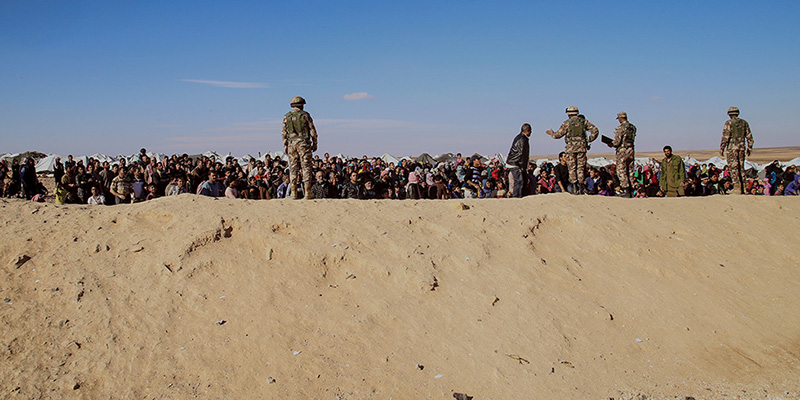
(294, 192)
(573, 188)
(581, 188)
(736, 190)
(629, 193)
(307, 190)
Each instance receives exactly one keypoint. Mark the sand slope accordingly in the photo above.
(546, 297)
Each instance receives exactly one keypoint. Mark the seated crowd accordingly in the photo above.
(364, 178)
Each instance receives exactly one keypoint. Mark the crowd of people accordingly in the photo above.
(366, 178)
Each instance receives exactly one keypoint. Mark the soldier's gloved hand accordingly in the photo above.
(314, 146)
(588, 146)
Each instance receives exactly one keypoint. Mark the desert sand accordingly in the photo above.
(546, 297)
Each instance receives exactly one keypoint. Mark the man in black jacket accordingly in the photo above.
(517, 161)
(561, 173)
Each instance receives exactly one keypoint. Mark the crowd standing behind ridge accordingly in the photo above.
(372, 178)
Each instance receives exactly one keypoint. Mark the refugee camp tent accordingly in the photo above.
(157, 156)
(445, 157)
(795, 161)
(9, 157)
(80, 160)
(278, 154)
(599, 162)
(690, 161)
(20, 157)
(642, 161)
(718, 162)
(245, 159)
(389, 159)
(214, 154)
(425, 158)
(47, 164)
(101, 157)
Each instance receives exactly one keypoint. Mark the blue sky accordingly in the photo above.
(407, 77)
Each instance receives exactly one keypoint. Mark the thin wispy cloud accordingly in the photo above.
(228, 84)
(358, 96)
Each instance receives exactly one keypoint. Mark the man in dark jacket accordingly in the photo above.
(561, 173)
(30, 182)
(517, 161)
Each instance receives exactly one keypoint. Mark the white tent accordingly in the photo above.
(102, 157)
(388, 159)
(599, 162)
(214, 154)
(278, 154)
(642, 161)
(47, 164)
(690, 161)
(795, 162)
(81, 159)
(245, 159)
(158, 156)
(9, 156)
(754, 166)
(718, 162)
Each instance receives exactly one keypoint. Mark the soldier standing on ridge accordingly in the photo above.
(624, 136)
(299, 142)
(577, 145)
(734, 135)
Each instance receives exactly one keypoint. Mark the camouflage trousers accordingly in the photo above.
(736, 165)
(299, 156)
(576, 163)
(625, 167)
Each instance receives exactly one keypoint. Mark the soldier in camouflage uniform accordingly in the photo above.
(299, 142)
(624, 136)
(575, 129)
(738, 140)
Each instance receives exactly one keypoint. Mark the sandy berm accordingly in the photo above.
(546, 297)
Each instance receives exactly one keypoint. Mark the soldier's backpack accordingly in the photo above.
(576, 130)
(295, 126)
(630, 134)
(738, 129)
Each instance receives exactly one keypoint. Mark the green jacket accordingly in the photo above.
(673, 173)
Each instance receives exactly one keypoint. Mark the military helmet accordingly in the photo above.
(572, 110)
(297, 100)
(733, 111)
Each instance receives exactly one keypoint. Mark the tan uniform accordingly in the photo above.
(738, 141)
(299, 139)
(624, 136)
(576, 148)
